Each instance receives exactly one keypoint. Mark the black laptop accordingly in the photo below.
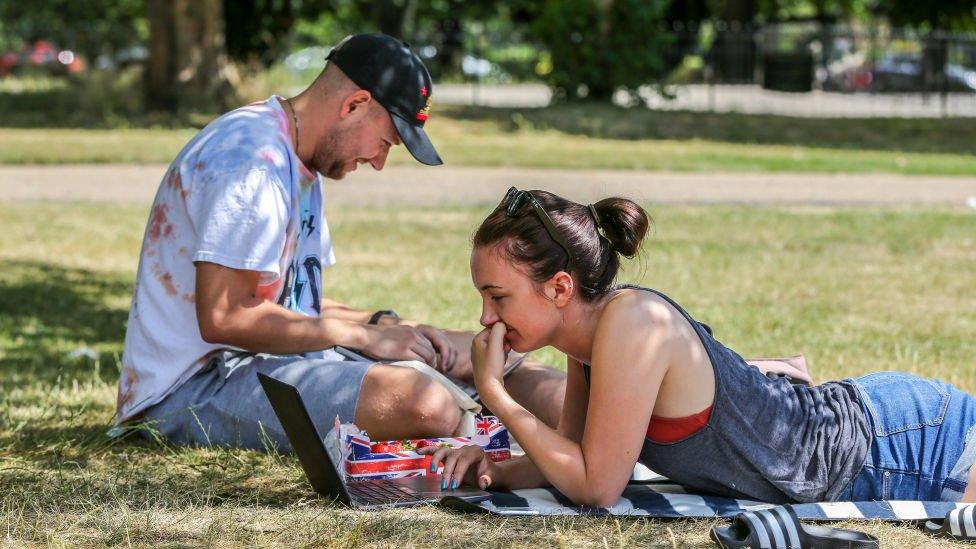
(324, 476)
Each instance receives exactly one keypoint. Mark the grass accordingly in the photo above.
(856, 290)
(463, 142)
(99, 119)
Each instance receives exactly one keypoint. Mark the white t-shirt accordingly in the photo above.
(238, 196)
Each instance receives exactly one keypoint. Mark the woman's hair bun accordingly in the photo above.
(624, 223)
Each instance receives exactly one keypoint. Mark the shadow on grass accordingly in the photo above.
(54, 419)
(47, 311)
(929, 135)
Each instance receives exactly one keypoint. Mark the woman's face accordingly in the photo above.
(510, 296)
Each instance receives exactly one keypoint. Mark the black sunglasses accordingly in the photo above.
(513, 202)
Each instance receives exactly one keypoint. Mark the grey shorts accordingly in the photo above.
(224, 405)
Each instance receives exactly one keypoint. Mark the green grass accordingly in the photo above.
(856, 290)
(476, 143)
(100, 119)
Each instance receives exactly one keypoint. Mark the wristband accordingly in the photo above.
(375, 319)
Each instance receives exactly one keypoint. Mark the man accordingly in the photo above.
(229, 280)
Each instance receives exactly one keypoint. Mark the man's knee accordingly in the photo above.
(397, 402)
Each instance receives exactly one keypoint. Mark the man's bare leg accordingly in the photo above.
(397, 402)
(537, 387)
(540, 389)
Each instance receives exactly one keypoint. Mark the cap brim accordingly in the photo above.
(415, 139)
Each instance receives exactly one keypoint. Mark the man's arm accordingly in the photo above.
(452, 346)
(229, 313)
(334, 309)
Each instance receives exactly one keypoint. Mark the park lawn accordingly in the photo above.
(856, 290)
(591, 138)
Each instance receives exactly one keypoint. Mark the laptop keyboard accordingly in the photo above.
(373, 492)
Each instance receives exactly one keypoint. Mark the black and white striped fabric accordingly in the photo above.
(662, 500)
(959, 523)
(773, 528)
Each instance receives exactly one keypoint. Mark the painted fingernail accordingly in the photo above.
(454, 484)
(443, 484)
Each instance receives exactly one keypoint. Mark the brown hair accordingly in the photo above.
(595, 245)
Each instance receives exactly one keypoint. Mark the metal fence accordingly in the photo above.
(801, 69)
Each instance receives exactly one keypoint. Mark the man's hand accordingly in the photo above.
(447, 353)
(398, 342)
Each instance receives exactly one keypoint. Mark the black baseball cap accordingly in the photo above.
(395, 76)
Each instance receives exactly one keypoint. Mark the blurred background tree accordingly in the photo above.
(195, 54)
(599, 46)
(92, 28)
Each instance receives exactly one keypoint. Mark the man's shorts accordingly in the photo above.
(224, 405)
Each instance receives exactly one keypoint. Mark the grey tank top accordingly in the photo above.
(766, 439)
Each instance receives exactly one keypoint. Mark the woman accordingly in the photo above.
(648, 383)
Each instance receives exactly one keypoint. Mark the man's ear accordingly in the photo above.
(355, 104)
(560, 289)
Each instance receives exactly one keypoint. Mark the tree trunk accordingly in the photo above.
(393, 17)
(186, 68)
(734, 50)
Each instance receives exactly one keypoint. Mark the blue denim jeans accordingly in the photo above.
(924, 443)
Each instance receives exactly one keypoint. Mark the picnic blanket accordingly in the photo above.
(667, 500)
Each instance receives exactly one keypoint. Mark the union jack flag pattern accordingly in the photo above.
(367, 459)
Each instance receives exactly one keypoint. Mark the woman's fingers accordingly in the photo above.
(484, 479)
(452, 475)
(437, 453)
(497, 336)
(457, 463)
(469, 463)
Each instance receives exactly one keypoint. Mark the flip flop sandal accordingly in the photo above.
(780, 528)
(959, 524)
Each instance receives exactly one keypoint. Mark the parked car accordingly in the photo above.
(41, 56)
(903, 73)
(899, 73)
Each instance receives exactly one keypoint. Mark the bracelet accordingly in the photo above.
(375, 319)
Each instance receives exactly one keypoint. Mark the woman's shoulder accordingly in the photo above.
(638, 306)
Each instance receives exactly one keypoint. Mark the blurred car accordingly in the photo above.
(41, 56)
(903, 73)
(897, 73)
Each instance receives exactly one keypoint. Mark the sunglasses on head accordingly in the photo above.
(513, 202)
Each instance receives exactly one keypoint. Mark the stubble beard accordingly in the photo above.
(326, 159)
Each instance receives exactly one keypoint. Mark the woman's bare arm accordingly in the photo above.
(626, 375)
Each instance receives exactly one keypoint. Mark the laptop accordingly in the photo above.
(324, 475)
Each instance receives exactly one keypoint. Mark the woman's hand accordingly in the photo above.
(488, 352)
(467, 464)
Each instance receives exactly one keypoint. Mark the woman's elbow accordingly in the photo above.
(598, 497)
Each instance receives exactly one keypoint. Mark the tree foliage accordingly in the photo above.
(91, 27)
(598, 46)
(258, 32)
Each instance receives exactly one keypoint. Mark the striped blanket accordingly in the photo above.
(665, 500)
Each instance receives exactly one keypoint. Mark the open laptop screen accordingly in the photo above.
(305, 440)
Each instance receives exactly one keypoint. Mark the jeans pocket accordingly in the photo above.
(878, 483)
(901, 402)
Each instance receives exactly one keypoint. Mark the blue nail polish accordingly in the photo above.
(443, 484)
(454, 484)
(433, 467)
